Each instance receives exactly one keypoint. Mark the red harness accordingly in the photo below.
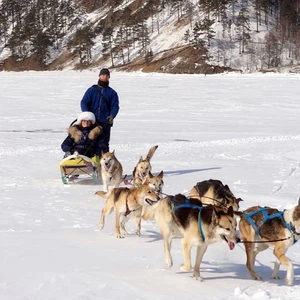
(128, 211)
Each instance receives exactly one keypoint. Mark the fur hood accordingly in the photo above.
(76, 133)
(85, 115)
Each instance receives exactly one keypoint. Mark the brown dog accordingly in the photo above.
(200, 226)
(271, 228)
(143, 167)
(126, 202)
(111, 170)
(214, 192)
(155, 182)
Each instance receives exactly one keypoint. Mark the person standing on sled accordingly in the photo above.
(84, 136)
(103, 101)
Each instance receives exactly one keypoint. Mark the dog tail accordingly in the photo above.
(102, 194)
(151, 152)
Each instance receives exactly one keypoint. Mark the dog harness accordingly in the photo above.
(129, 211)
(225, 197)
(188, 205)
(266, 218)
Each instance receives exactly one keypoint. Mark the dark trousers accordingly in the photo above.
(106, 136)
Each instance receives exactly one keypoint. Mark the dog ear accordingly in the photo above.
(222, 192)
(141, 159)
(299, 201)
(150, 175)
(228, 191)
(161, 174)
(113, 152)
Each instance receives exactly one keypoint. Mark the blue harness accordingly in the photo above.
(188, 205)
(266, 218)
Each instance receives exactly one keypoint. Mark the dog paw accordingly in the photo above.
(256, 277)
(138, 233)
(289, 282)
(169, 264)
(275, 277)
(197, 277)
(184, 268)
(119, 236)
(100, 226)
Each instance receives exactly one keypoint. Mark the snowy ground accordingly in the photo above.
(241, 129)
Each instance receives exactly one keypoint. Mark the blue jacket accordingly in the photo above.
(92, 101)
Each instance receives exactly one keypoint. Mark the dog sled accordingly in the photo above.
(75, 165)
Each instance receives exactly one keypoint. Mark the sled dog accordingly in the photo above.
(273, 228)
(200, 226)
(126, 202)
(214, 192)
(111, 170)
(143, 167)
(155, 182)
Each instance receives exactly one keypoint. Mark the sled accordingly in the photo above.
(76, 165)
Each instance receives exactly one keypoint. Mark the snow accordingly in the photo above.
(241, 129)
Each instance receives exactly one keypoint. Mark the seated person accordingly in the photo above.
(84, 136)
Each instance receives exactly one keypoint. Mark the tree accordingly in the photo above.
(206, 29)
(143, 37)
(177, 8)
(82, 44)
(187, 36)
(120, 43)
(189, 9)
(243, 28)
(3, 25)
(233, 8)
(197, 42)
(40, 43)
(272, 52)
(107, 42)
(218, 8)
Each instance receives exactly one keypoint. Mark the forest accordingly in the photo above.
(267, 31)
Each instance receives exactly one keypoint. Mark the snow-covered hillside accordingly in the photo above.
(245, 36)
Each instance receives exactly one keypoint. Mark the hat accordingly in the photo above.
(104, 71)
(86, 115)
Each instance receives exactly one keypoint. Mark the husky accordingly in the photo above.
(271, 228)
(214, 192)
(156, 183)
(200, 226)
(126, 202)
(143, 167)
(111, 170)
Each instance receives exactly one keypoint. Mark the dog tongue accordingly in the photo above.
(231, 245)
